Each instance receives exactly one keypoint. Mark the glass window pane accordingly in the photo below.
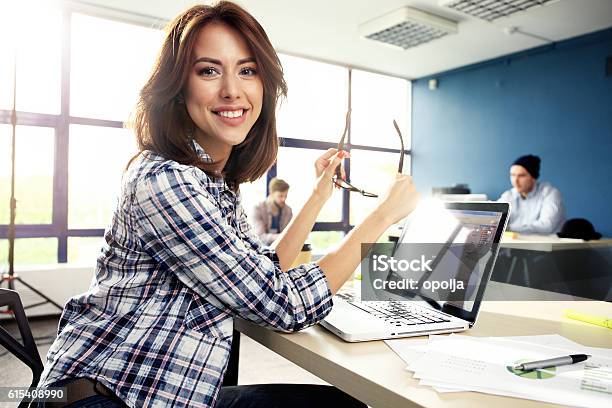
(110, 63)
(94, 180)
(323, 241)
(5, 173)
(30, 251)
(84, 250)
(252, 194)
(35, 151)
(373, 172)
(376, 101)
(317, 101)
(6, 64)
(39, 55)
(296, 167)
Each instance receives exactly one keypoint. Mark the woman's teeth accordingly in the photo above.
(231, 114)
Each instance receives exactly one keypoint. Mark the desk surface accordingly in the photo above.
(540, 243)
(550, 243)
(374, 374)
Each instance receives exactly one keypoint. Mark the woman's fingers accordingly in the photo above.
(328, 153)
(335, 162)
(324, 161)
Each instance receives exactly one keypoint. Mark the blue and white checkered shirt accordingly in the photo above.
(180, 260)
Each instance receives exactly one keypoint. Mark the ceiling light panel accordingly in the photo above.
(492, 9)
(407, 27)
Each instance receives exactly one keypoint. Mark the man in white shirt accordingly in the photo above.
(536, 207)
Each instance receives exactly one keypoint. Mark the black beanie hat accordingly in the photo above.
(531, 163)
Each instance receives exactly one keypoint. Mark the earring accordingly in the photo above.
(179, 99)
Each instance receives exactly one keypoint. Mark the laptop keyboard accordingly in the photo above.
(400, 313)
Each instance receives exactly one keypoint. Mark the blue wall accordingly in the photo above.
(553, 101)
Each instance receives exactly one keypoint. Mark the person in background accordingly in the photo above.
(536, 207)
(271, 216)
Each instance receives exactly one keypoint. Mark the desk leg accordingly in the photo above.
(231, 375)
(511, 271)
(526, 272)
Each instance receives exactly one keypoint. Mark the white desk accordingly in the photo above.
(540, 243)
(374, 374)
(550, 243)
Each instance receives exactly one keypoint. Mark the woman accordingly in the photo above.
(271, 216)
(180, 260)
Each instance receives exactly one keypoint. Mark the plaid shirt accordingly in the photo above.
(180, 260)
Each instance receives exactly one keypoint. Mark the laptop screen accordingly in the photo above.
(461, 240)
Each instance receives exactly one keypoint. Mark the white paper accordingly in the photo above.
(458, 363)
(482, 364)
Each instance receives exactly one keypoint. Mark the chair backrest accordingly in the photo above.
(26, 352)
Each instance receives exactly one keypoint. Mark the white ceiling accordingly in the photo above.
(328, 30)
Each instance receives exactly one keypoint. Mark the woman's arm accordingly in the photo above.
(181, 226)
(399, 201)
(292, 238)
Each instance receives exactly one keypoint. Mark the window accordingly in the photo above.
(6, 74)
(317, 101)
(110, 60)
(84, 250)
(296, 167)
(96, 161)
(71, 152)
(5, 172)
(38, 59)
(30, 251)
(34, 153)
(69, 156)
(372, 171)
(375, 101)
(322, 241)
(252, 194)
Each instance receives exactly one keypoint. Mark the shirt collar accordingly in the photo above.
(530, 194)
(201, 153)
(218, 181)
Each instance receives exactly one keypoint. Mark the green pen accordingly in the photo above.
(598, 320)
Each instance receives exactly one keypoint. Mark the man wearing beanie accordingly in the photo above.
(535, 207)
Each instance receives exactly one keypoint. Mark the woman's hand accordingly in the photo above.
(325, 167)
(399, 200)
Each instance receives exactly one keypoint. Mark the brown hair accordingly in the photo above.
(277, 184)
(161, 121)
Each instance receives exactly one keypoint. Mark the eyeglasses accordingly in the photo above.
(337, 178)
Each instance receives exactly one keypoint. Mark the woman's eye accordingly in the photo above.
(248, 71)
(208, 72)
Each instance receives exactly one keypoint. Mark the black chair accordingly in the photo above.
(28, 352)
(231, 374)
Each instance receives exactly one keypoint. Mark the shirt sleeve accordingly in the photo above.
(505, 197)
(181, 227)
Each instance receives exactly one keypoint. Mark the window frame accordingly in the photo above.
(61, 123)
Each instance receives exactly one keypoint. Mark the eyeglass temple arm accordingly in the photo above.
(341, 143)
(399, 133)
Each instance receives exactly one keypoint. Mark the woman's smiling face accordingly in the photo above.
(224, 91)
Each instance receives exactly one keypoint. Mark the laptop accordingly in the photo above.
(413, 311)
